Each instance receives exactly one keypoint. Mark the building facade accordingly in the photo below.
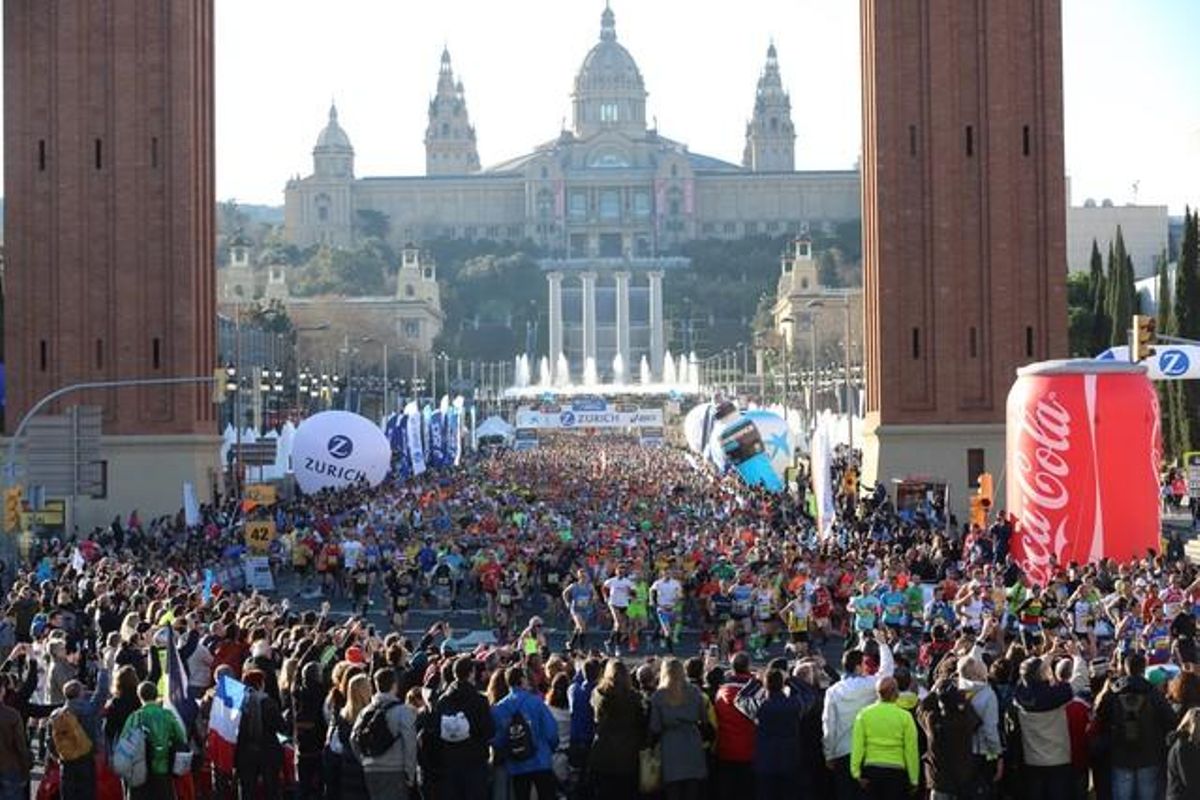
(1144, 229)
(108, 145)
(609, 186)
(963, 227)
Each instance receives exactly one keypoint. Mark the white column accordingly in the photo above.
(554, 281)
(656, 324)
(622, 279)
(588, 282)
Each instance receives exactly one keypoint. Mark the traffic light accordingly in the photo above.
(985, 490)
(12, 508)
(1145, 335)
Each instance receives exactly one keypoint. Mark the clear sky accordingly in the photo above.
(1131, 75)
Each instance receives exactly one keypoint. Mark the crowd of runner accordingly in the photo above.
(643, 629)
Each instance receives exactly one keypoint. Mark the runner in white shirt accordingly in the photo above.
(665, 594)
(617, 591)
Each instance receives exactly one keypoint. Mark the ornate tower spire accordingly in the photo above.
(770, 136)
(449, 139)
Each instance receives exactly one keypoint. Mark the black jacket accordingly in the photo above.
(1133, 701)
(1183, 769)
(472, 752)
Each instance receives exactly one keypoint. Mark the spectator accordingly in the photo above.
(677, 714)
(620, 727)
(777, 741)
(1136, 719)
(951, 726)
(525, 738)
(462, 727)
(843, 701)
(735, 734)
(390, 774)
(351, 781)
(15, 759)
(163, 735)
(883, 756)
(1183, 760)
(1039, 732)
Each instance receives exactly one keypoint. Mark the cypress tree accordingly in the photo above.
(1100, 328)
(1186, 312)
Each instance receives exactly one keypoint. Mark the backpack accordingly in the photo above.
(371, 735)
(1131, 708)
(129, 756)
(520, 738)
(70, 739)
(455, 727)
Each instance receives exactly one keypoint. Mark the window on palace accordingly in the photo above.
(608, 112)
(514, 231)
(493, 231)
(610, 245)
(578, 244)
(610, 204)
(642, 246)
(409, 291)
(729, 228)
(323, 213)
(445, 129)
(578, 205)
(1025, 143)
(412, 328)
(545, 203)
(41, 155)
(641, 203)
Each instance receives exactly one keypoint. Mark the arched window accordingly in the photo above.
(409, 291)
(774, 124)
(445, 129)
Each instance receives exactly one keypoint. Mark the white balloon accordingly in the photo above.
(335, 449)
(713, 451)
(776, 438)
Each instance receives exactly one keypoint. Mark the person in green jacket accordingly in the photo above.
(164, 735)
(883, 754)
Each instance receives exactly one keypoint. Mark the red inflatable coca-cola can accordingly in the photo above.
(1084, 448)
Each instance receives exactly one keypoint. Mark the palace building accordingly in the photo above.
(610, 186)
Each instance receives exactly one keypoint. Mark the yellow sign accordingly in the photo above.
(260, 534)
(262, 494)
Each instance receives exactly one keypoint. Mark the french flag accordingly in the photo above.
(223, 723)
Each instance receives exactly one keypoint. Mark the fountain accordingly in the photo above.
(681, 371)
(590, 378)
(521, 372)
(668, 369)
(693, 370)
(562, 372)
(644, 376)
(544, 381)
(618, 370)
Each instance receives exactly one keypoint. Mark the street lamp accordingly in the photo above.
(846, 405)
(787, 345)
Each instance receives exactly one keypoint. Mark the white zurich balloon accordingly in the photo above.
(335, 449)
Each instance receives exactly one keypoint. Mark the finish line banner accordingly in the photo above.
(570, 419)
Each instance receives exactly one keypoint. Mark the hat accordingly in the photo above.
(38, 625)
(355, 655)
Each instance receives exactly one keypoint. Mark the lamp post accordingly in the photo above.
(787, 345)
(846, 404)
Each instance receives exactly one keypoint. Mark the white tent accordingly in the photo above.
(494, 426)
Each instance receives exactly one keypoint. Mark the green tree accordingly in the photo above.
(1079, 315)
(1122, 294)
(1185, 308)
(1100, 327)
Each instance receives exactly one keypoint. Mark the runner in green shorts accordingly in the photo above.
(638, 604)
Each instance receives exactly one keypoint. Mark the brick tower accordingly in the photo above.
(963, 226)
(108, 184)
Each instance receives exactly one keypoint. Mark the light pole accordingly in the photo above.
(787, 345)
(846, 404)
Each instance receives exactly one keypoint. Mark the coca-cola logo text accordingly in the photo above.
(1041, 481)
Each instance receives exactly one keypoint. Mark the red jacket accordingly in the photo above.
(735, 731)
(1079, 714)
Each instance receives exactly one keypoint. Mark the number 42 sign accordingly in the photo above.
(259, 535)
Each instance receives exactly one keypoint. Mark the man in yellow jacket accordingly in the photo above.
(883, 754)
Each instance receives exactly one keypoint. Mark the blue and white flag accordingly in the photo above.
(454, 433)
(416, 449)
(437, 440)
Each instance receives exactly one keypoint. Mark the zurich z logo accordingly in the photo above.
(567, 419)
(340, 446)
(1173, 363)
